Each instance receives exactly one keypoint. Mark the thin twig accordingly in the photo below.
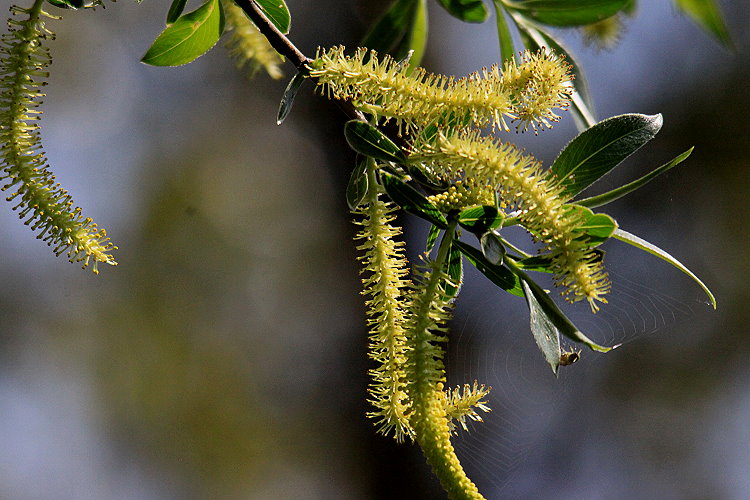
(286, 48)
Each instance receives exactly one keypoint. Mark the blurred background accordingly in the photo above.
(225, 357)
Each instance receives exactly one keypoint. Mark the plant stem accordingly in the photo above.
(281, 43)
(427, 378)
(276, 38)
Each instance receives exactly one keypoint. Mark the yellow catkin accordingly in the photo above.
(429, 311)
(523, 186)
(385, 285)
(247, 45)
(44, 205)
(527, 92)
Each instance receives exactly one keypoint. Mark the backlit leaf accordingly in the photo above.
(188, 38)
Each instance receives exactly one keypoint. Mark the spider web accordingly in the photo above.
(508, 454)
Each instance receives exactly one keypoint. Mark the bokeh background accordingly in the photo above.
(225, 357)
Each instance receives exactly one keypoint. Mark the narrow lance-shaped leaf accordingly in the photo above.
(471, 11)
(480, 219)
(567, 12)
(356, 190)
(504, 37)
(455, 272)
(175, 10)
(368, 140)
(601, 148)
(415, 41)
(707, 14)
(498, 274)
(287, 100)
(553, 312)
(615, 194)
(277, 12)
(432, 237)
(390, 29)
(188, 38)
(412, 200)
(654, 250)
(545, 334)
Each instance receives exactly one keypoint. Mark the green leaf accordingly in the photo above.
(67, 4)
(535, 37)
(368, 140)
(455, 271)
(567, 12)
(415, 42)
(596, 151)
(492, 248)
(539, 263)
(504, 37)
(480, 219)
(654, 250)
(276, 12)
(708, 15)
(432, 237)
(547, 337)
(471, 11)
(287, 100)
(385, 35)
(188, 38)
(498, 274)
(596, 228)
(610, 196)
(175, 10)
(425, 177)
(412, 200)
(356, 190)
(553, 312)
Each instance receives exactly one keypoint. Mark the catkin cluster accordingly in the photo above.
(44, 205)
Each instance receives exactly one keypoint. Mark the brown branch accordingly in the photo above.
(286, 48)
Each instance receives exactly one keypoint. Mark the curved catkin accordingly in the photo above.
(523, 186)
(43, 204)
(527, 92)
(429, 311)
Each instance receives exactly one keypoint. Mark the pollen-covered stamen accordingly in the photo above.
(541, 84)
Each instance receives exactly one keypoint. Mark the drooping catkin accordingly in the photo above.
(44, 205)
(385, 285)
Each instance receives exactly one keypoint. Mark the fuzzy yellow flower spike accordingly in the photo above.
(23, 166)
(247, 45)
(526, 92)
(385, 286)
(523, 186)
